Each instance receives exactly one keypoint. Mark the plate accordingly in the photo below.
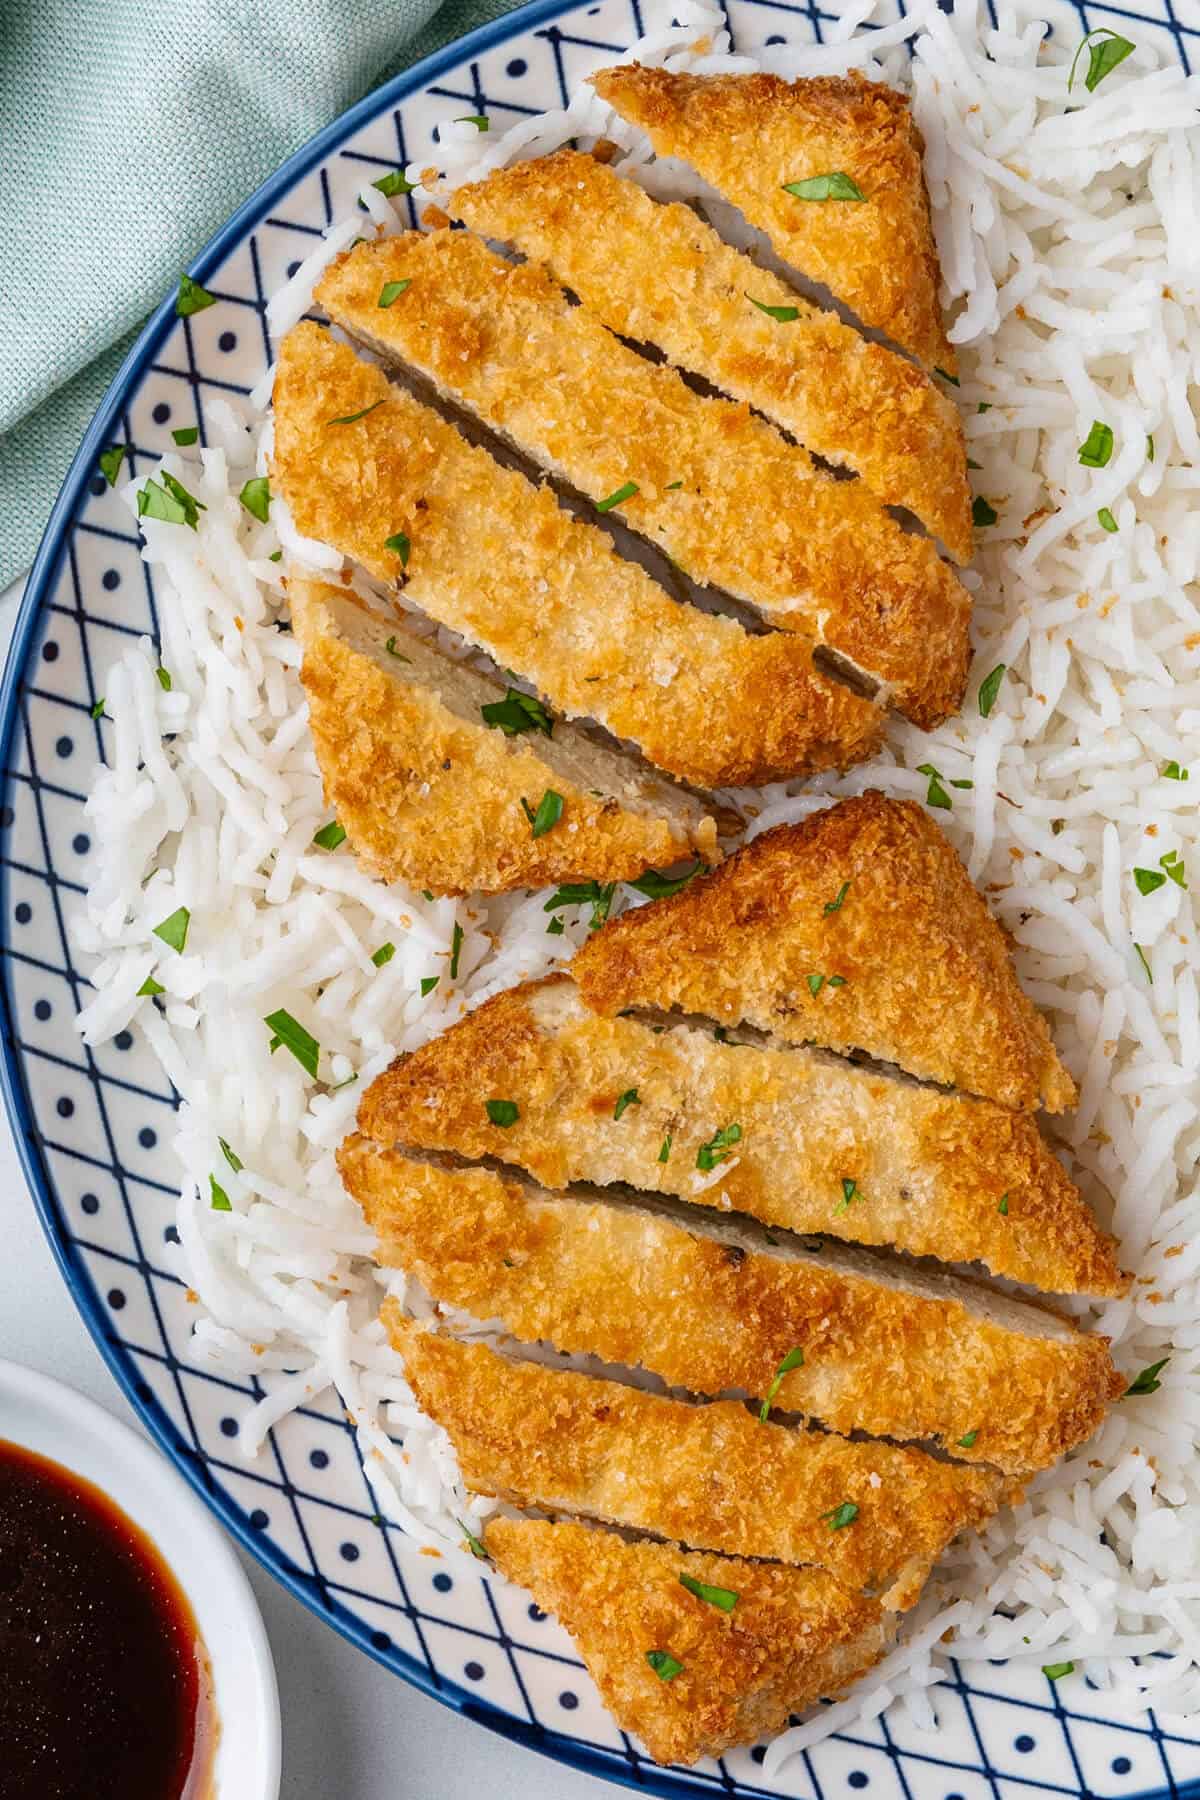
(89, 1125)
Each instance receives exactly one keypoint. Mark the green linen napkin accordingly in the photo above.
(129, 134)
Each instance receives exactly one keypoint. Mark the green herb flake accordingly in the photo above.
(517, 712)
(1056, 1671)
(192, 298)
(597, 895)
(186, 436)
(1148, 881)
(1147, 1382)
(110, 462)
(1002, 1209)
(660, 887)
(1173, 772)
(163, 677)
(665, 1666)
(174, 930)
(784, 314)
(835, 905)
(353, 418)
(629, 1098)
(169, 501)
(425, 894)
(383, 955)
(841, 1516)
(549, 812)
(219, 1201)
(836, 981)
(625, 492)
(1173, 866)
(968, 1440)
(400, 543)
(936, 794)
(150, 987)
(1097, 447)
(962, 782)
(793, 1360)
(474, 1544)
(393, 183)
(989, 689)
(664, 1149)
(724, 1599)
(673, 485)
(329, 836)
(850, 1194)
(1105, 51)
(555, 928)
(1141, 956)
(292, 1035)
(391, 649)
(947, 376)
(718, 1147)
(1106, 520)
(428, 983)
(502, 1112)
(391, 291)
(476, 119)
(815, 984)
(984, 406)
(972, 464)
(456, 944)
(98, 712)
(275, 556)
(1150, 448)
(982, 513)
(256, 498)
(231, 1156)
(834, 186)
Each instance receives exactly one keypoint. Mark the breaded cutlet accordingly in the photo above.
(690, 1678)
(858, 929)
(728, 499)
(429, 793)
(717, 1307)
(753, 137)
(383, 478)
(659, 274)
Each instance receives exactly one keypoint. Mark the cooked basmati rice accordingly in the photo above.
(1069, 232)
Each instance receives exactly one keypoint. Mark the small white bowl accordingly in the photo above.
(50, 1419)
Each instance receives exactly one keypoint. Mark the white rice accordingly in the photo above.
(1069, 231)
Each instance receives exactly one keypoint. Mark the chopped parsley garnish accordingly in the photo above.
(659, 887)
(549, 812)
(1097, 447)
(718, 1147)
(502, 1112)
(275, 556)
(1173, 772)
(256, 497)
(186, 435)
(936, 794)
(723, 1598)
(850, 1194)
(841, 1516)
(947, 376)
(456, 944)
(785, 314)
(219, 1199)
(554, 928)
(629, 1098)
(1107, 522)
(174, 930)
(793, 1360)
(815, 984)
(517, 712)
(1002, 1209)
(1141, 955)
(1147, 1382)
(1173, 866)
(150, 987)
(428, 983)
(967, 1441)
(972, 464)
(1056, 1671)
(834, 186)
(476, 119)
(231, 1156)
(835, 905)
(1148, 881)
(353, 418)
(169, 501)
(982, 513)
(291, 1034)
(391, 292)
(110, 462)
(672, 485)
(391, 649)
(329, 836)
(393, 183)
(1103, 56)
(665, 1666)
(664, 1149)
(989, 688)
(473, 1543)
(338, 1085)
(384, 955)
(398, 542)
(163, 677)
(837, 981)
(1150, 447)
(625, 492)
(98, 713)
(425, 894)
(597, 895)
(192, 298)
(984, 406)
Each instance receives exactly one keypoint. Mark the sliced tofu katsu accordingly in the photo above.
(729, 500)
(858, 929)
(712, 1476)
(385, 480)
(691, 1673)
(859, 223)
(822, 1144)
(716, 1306)
(429, 793)
(659, 274)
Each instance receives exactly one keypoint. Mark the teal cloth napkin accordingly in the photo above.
(130, 132)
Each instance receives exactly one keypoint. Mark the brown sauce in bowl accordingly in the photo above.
(105, 1686)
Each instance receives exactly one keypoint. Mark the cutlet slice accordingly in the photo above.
(837, 137)
(858, 929)
(716, 487)
(430, 794)
(385, 480)
(712, 1476)
(716, 1306)
(609, 1100)
(658, 274)
(692, 1677)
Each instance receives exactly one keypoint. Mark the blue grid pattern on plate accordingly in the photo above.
(89, 1124)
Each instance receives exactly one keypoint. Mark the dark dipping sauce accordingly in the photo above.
(105, 1688)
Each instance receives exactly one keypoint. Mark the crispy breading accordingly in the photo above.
(429, 794)
(659, 274)
(496, 558)
(712, 1476)
(715, 486)
(910, 966)
(751, 135)
(708, 1305)
(794, 1636)
(930, 1170)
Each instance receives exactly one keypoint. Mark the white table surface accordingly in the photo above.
(351, 1731)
